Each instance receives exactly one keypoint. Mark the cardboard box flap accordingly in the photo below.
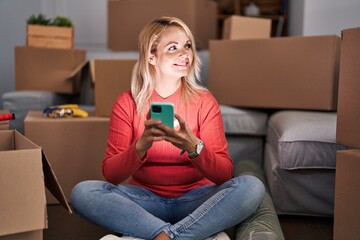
(92, 70)
(77, 75)
(52, 184)
(78, 69)
(51, 181)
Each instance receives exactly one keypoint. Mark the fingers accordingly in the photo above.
(151, 122)
(148, 116)
(181, 121)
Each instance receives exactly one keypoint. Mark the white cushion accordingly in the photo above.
(243, 121)
(304, 139)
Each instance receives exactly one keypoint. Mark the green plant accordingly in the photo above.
(61, 22)
(38, 20)
(41, 19)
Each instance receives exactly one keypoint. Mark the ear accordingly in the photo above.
(152, 59)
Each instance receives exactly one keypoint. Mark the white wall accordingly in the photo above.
(322, 17)
(88, 16)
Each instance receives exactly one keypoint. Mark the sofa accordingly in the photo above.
(300, 161)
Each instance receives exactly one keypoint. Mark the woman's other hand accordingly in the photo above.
(183, 138)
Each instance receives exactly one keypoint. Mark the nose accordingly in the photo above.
(183, 53)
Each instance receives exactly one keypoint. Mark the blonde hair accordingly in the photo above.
(142, 83)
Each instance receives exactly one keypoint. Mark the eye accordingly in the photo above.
(188, 46)
(172, 48)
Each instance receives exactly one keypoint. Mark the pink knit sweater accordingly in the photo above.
(163, 170)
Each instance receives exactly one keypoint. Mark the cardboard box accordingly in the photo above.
(238, 27)
(49, 36)
(347, 196)
(276, 73)
(75, 146)
(23, 170)
(199, 15)
(111, 77)
(348, 114)
(44, 69)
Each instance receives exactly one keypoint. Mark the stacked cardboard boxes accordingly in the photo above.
(200, 16)
(249, 69)
(75, 146)
(24, 173)
(276, 73)
(347, 196)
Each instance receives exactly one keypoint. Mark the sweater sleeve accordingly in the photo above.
(214, 161)
(121, 159)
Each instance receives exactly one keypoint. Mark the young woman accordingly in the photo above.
(180, 180)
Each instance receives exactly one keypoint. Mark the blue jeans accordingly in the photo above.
(137, 212)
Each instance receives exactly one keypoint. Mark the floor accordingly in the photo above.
(63, 226)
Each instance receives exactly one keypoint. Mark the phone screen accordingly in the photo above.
(163, 111)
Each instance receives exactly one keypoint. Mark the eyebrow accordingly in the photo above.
(171, 42)
(174, 42)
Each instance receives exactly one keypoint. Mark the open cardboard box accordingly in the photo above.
(111, 77)
(24, 173)
(46, 69)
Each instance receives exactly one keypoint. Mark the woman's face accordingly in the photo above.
(174, 54)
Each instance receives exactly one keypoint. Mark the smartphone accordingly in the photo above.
(163, 111)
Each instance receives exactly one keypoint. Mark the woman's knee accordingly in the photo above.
(82, 190)
(254, 188)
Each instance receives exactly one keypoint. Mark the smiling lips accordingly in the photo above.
(183, 64)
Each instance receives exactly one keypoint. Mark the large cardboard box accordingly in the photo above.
(277, 73)
(238, 27)
(24, 173)
(111, 78)
(347, 195)
(348, 114)
(75, 146)
(49, 36)
(127, 18)
(45, 69)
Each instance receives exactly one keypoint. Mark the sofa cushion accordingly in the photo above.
(243, 121)
(20, 102)
(304, 139)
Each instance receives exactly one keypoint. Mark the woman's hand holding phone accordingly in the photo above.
(152, 133)
(159, 126)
